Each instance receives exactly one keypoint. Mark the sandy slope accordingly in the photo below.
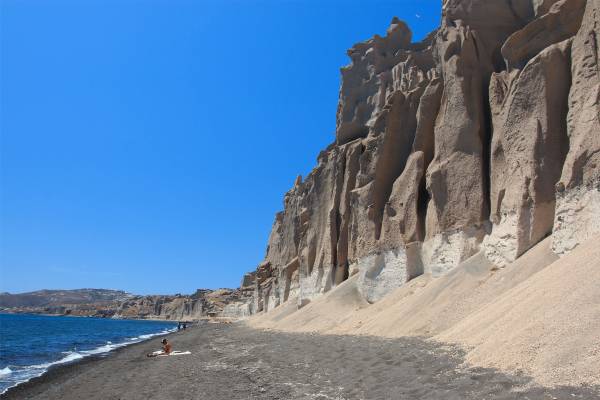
(540, 314)
(321, 315)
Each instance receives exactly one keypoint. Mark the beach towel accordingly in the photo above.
(176, 353)
(159, 353)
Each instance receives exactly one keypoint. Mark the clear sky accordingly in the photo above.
(146, 145)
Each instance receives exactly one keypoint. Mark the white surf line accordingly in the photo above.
(26, 373)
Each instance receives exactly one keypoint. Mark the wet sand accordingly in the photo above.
(232, 361)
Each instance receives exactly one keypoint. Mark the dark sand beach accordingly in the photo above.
(232, 361)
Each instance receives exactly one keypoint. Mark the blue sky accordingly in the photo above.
(146, 145)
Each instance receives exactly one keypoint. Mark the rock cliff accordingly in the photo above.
(203, 303)
(485, 136)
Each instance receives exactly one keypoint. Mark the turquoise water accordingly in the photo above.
(30, 344)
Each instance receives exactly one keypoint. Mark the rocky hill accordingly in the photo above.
(119, 304)
(484, 138)
(53, 298)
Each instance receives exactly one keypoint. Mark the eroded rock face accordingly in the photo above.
(368, 80)
(446, 147)
(529, 145)
(578, 192)
(529, 105)
(560, 22)
(467, 53)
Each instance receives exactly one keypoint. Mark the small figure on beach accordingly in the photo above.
(178, 326)
(166, 349)
(184, 326)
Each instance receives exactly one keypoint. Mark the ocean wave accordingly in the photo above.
(18, 374)
(70, 357)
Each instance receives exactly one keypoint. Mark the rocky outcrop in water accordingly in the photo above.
(485, 136)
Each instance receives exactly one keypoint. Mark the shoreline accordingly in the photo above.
(189, 321)
(234, 361)
(95, 354)
(59, 372)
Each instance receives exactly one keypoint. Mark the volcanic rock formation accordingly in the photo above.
(485, 136)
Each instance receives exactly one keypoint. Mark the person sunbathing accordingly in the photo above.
(166, 349)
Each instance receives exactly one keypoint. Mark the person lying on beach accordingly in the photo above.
(166, 349)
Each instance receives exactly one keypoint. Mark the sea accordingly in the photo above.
(30, 344)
